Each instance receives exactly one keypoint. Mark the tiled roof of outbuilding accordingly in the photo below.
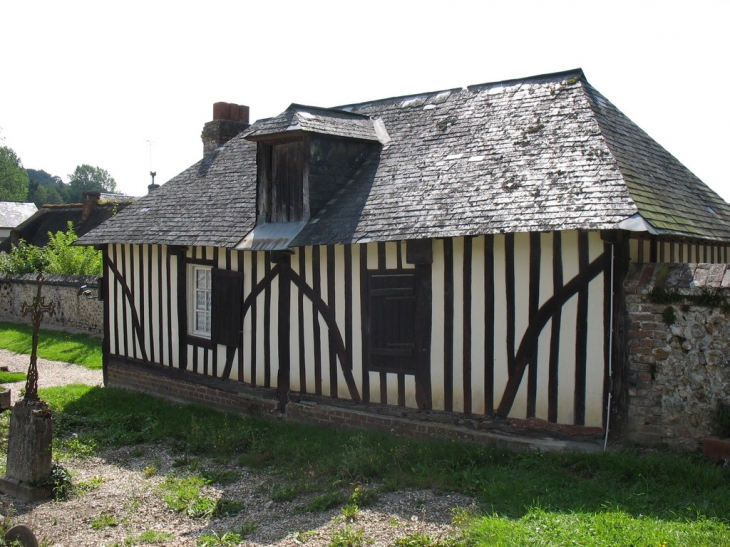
(536, 154)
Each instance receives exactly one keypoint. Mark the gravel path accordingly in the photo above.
(50, 373)
(122, 487)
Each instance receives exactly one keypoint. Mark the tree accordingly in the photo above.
(88, 178)
(45, 188)
(13, 178)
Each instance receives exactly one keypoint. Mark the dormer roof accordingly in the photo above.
(299, 119)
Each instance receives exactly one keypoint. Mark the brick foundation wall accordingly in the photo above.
(677, 371)
(74, 312)
(186, 387)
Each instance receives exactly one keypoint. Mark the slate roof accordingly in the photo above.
(324, 121)
(13, 213)
(536, 154)
(55, 218)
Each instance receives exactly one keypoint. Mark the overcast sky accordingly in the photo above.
(95, 82)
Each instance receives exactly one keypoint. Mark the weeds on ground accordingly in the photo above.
(214, 539)
(420, 540)
(105, 520)
(325, 502)
(227, 539)
(148, 537)
(349, 537)
(183, 494)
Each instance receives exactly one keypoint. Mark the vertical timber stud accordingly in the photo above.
(448, 324)
(420, 253)
(466, 322)
(182, 308)
(283, 258)
(365, 321)
(581, 335)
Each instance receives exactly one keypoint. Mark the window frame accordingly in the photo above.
(192, 288)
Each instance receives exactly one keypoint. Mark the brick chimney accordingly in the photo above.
(229, 120)
(88, 203)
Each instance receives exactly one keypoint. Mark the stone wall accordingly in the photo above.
(679, 351)
(74, 312)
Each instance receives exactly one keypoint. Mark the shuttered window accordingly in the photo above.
(227, 303)
(214, 304)
(392, 321)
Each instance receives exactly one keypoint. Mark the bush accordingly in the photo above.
(58, 257)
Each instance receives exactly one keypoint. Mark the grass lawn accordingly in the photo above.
(615, 498)
(81, 349)
(626, 498)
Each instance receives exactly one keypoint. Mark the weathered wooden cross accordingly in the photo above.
(36, 310)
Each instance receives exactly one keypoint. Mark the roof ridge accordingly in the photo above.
(551, 75)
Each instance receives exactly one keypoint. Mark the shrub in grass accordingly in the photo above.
(363, 497)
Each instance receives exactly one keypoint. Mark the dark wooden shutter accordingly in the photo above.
(287, 182)
(392, 324)
(226, 306)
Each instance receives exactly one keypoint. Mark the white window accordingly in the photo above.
(201, 298)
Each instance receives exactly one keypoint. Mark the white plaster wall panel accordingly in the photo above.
(437, 327)
(323, 329)
(340, 316)
(501, 373)
(522, 312)
(457, 328)
(478, 334)
(174, 358)
(595, 356)
(411, 391)
(543, 346)
(568, 325)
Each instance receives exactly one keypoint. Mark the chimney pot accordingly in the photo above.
(221, 111)
(242, 113)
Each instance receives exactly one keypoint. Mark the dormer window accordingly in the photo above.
(305, 159)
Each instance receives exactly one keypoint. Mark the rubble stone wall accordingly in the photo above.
(74, 312)
(679, 351)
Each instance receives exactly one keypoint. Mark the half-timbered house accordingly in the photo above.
(456, 252)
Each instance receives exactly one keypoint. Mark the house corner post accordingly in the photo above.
(104, 291)
(619, 386)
